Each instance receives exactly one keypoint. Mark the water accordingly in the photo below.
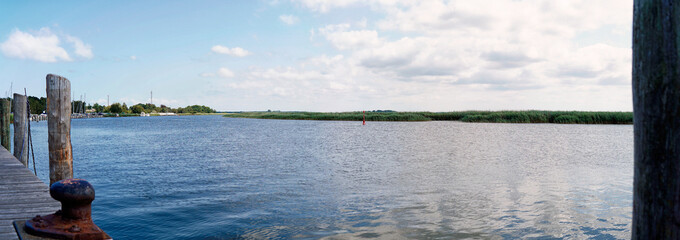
(209, 177)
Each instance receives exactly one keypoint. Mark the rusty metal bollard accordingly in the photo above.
(74, 220)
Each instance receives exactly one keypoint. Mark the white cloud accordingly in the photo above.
(448, 55)
(222, 72)
(342, 38)
(81, 49)
(237, 51)
(133, 57)
(289, 19)
(164, 101)
(43, 46)
(225, 73)
(322, 78)
(324, 5)
(128, 101)
(461, 42)
(101, 101)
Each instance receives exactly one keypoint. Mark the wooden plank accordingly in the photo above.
(13, 182)
(27, 185)
(11, 163)
(8, 236)
(24, 215)
(6, 229)
(26, 195)
(9, 171)
(32, 205)
(8, 166)
(35, 195)
(17, 191)
(18, 202)
(43, 202)
(20, 177)
(47, 210)
(22, 195)
(28, 198)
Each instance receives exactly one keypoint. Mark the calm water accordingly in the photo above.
(208, 177)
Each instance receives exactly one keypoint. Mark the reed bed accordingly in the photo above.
(338, 116)
(562, 117)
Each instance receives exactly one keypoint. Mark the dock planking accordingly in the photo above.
(22, 195)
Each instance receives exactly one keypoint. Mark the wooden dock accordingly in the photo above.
(22, 195)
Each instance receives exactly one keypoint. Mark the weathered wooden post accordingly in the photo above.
(656, 102)
(4, 123)
(59, 127)
(20, 129)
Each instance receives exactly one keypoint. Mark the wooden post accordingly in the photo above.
(59, 127)
(20, 129)
(656, 103)
(4, 123)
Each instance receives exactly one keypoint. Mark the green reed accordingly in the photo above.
(563, 117)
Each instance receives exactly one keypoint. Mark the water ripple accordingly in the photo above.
(209, 177)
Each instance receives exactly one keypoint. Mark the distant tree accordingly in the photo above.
(115, 108)
(150, 108)
(137, 109)
(196, 109)
(37, 104)
(98, 108)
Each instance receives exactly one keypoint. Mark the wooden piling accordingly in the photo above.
(20, 129)
(59, 127)
(656, 103)
(4, 123)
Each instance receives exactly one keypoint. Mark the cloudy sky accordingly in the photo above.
(335, 55)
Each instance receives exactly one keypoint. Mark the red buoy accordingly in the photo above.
(364, 117)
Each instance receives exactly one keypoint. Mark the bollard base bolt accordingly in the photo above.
(55, 226)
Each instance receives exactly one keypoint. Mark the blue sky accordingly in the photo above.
(314, 55)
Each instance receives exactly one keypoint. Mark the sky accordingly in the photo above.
(335, 55)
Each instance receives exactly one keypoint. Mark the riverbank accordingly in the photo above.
(563, 117)
(157, 114)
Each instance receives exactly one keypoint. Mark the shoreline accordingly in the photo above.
(532, 116)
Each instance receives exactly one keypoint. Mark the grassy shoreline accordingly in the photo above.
(561, 117)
